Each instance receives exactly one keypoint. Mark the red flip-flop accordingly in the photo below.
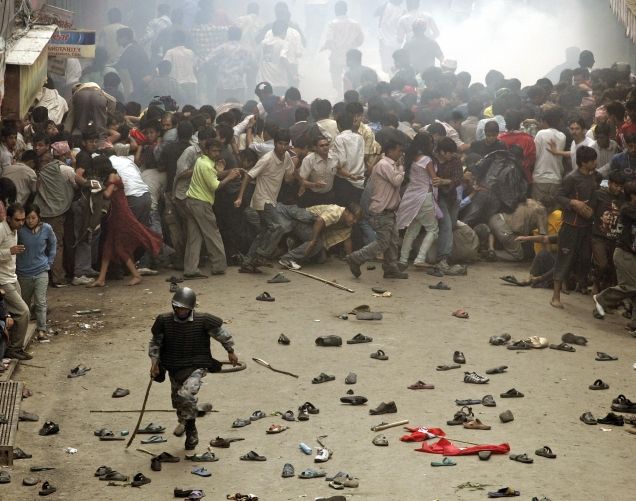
(460, 313)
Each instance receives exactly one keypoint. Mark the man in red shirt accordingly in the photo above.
(629, 126)
(525, 141)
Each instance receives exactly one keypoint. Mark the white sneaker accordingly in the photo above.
(322, 456)
(289, 263)
(83, 280)
(144, 272)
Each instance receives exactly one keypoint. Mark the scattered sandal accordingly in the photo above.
(253, 456)
(447, 367)
(201, 472)
(604, 357)
(380, 441)
(352, 378)
(460, 314)
(288, 470)
(488, 401)
(78, 371)
(239, 423)
(512, 393)
(439, 286)
(310, 473)
(323, 378)
(359, 338)
(284, 340)
(256, 415)
(476, 424)
(276, 428)
(120, 392)
(545, 452)
(599, 384)
(421, 385)
(588, 418)
(521, 458)
(152, 429)
(444, 462)
(46, 489)
(379, 355)
(570, 338)
(563, 347)
(499, 340)
(504, 492)
(155, 439)
(265, 296)
(49, 428)
(497, 370)
(206, 457)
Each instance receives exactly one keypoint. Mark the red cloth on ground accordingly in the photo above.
(446, 447)
(420, 433)
(124, 233)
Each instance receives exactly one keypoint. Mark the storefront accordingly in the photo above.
(26, 68)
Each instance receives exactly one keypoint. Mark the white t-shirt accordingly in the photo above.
(269, 173)
(276, 53)
(586, 142)
(548, 168)
(348, 149)
(388, 31)
(182, 60)
(130, 175)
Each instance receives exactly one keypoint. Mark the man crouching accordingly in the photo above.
(180, 345)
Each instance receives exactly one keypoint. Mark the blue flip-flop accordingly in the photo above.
(200, 471)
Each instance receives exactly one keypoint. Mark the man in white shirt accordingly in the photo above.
(107, 36)
(548, 169)
(269, 173)
(9, 281)
(182, 60)
(348, 150)
(390, 13)
(281, 50)
(251, 25)
(343, 34)
(578, 131)
(23, 176)
(405, 23)
(156, 25)
(317, 174)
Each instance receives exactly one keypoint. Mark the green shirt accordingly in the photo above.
(204, 181)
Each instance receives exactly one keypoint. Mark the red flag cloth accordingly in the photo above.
(445, 447)
(420, 433)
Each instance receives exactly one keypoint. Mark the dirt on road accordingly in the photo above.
(417, 332)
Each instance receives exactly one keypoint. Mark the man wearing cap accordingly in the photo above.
(180, 345)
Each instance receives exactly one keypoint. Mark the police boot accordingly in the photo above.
(192, 437)
(179, 429)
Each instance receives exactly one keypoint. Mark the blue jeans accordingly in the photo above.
(450, 209)
(34, 289)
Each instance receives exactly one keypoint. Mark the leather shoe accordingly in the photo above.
(396, 274)
(384, 408)
(19, 355)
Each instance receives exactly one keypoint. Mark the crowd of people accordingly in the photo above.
(131, 172)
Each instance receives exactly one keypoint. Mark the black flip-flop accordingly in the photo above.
(545, 452)
(253, 456)
(265, 296)
(49, 428)
(512, 280)
(359, 338)
(440, 286)
(521, 458)
(354, 400)
(562, 347)
(46, 489)
(279, 278)
(604, 357)
(599, 384)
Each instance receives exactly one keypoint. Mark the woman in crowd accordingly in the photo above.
(33, 265)
(124, 233)
(418, 207)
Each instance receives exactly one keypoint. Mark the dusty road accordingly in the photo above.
(417, 332)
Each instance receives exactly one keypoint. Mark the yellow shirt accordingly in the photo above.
(204, 181)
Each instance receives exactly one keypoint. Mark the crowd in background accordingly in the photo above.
(196, 151)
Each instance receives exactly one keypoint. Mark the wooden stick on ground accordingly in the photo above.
(333, 284)
(386, 426)
(118, 411)
(141, 415)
